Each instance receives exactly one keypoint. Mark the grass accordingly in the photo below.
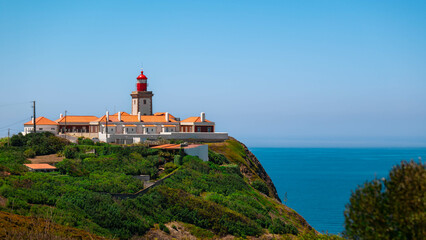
(15, 226)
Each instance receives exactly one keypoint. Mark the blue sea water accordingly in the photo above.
(317, 182)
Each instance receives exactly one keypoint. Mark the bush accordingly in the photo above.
(72, 167)
(71, 152)
(217, 158)
(85, 141)
(164, 228)
(392, 208)
(178, 160)
(279, 227)
(169, 167)
(11, 160)
(260, 186)
(29, 153)
(42, 143)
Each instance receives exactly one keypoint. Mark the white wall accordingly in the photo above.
(41, 128)
(201, 151)
(170, 135)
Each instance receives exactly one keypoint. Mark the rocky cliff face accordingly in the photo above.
(250, 167)
(253, 165)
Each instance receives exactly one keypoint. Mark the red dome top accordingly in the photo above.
(141, 76)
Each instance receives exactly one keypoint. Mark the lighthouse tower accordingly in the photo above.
(141, 98)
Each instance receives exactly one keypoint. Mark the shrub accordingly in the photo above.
(85, 141)
(260, 186)
(279, 227)
(71, 152)
(178, 160)
(217, 158)
(11, 160)
(164, 228)
(29, 153)
(72, 167)
(392, 208)
(42, 143)
(169, 167)
(17, 140)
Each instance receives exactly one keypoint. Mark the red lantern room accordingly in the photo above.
(141, 84)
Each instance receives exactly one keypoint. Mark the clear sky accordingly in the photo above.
(271, 73)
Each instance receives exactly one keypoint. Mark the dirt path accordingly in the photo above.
(52, 158)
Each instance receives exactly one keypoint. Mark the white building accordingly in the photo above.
(141, 125)
(42, 125)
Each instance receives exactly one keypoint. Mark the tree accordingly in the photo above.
(391, 208)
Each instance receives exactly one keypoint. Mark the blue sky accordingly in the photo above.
(271, 73)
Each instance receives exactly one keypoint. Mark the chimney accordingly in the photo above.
(203, 117)
(139, 116)
(61, 115)
(32, 120)
(107, 116)
(167, 117)
(119, 116)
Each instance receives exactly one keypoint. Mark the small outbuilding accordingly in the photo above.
(41, 167)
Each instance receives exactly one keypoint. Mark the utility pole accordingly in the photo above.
(66, 137)
(106, 127)
(34, 115)
(8, 137)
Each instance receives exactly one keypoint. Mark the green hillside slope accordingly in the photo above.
(94, 190)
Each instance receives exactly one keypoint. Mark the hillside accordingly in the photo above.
(94, 190)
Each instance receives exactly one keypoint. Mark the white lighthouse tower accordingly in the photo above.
(141, 98)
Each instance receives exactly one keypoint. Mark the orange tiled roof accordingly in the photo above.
(75, 119)
(175, 146)
(164, 114)
(40, 166)
(194, 119)
(169, 125)
(42, 121)
(167, 146)
(130, 125)
(122, 114)
(149, 125)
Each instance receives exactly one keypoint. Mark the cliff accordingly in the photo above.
(250, 166)
(230, 196)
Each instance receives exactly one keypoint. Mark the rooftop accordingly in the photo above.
(42, 121)
(76, 119)
(194, 119)
(39, 166)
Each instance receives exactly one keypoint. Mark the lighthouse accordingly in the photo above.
(141, 98)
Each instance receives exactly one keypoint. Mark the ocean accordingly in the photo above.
(317, 182)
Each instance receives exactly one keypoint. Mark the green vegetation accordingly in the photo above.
(217, 158)
(42, 143)
(392, 208)
(260, 186)
(211, 198)
(12, 160)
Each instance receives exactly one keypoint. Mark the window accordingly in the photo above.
(209, 129)
(144, 101)
(40, 129)
(198, 129)
(52, 129)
